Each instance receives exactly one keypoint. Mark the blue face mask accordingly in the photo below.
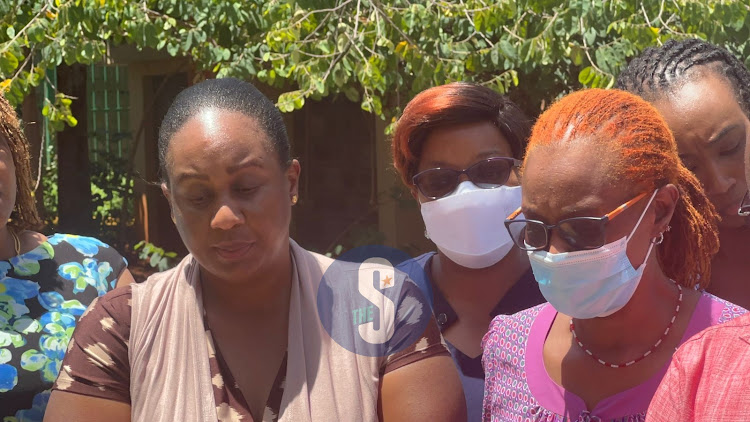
(589, 284)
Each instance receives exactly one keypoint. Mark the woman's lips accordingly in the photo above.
(233, 251)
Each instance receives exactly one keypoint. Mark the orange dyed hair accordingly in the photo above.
(454, 104)
(645, 158)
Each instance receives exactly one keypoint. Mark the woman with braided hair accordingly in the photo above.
(618, 234)
(46, 283)
(703, 92)
(692, 389)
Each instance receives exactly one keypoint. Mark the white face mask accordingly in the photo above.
(592, 283)
(468, 225)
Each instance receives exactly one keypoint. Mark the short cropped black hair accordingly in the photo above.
(226, 94)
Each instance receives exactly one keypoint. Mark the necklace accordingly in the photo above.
(16, 241)
(643, 356)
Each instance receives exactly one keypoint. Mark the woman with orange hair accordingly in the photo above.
(457, 148)
(618, 233)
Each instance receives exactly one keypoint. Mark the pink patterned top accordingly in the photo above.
(518, 388)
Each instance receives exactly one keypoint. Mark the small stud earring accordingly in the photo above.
(294, 199)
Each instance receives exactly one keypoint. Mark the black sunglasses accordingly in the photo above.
(744, 210)
(491, 173)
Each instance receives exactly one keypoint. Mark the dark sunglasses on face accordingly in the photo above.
(581, 233)
(491, 173)
(744, 210)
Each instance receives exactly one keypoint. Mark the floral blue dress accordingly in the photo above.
(42, 294)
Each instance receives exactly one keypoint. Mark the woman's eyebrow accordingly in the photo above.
(250, 162)
(190, 175)
(723, 132)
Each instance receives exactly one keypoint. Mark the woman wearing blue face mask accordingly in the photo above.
(457, 148)
(618, 233)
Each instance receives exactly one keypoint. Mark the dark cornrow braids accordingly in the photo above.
(24, 215)
(659, 69)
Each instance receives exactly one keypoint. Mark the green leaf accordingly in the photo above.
(351, 94)
(173, 49)
(586, 75)
(509, 51)
(155, 258)
(290, 101)
(187, 43)
(319, 85)
(596, 83)
(577, 54)
(341, 42)
(8, 63)
(590, 36)
(326, 47)
(611, 82)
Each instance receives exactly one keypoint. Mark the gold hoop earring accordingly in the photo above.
(294, 199)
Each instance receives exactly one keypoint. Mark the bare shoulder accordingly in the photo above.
(30, 240)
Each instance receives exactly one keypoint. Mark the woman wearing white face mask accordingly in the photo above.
(618, 233)
(457, 148)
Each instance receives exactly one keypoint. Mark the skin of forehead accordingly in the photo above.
(685, 101)
(211, 125)
(578, 175)
(456, 142)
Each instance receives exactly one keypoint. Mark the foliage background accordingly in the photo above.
(374, 52)
(377, 53)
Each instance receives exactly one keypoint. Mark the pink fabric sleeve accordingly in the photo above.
(673, 400)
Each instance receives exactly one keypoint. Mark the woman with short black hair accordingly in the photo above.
(235, 331)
